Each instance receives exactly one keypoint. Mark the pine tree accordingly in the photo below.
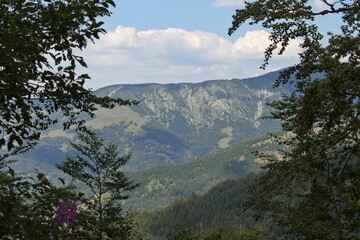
(98, 167)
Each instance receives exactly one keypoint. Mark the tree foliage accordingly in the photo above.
(314, 193)
(40, 46)
(40, 42)
(212, 215)
(98, 166)
(27, 206)
(34, 208)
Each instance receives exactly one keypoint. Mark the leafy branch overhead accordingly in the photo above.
(289, 19)
(39, 45)
(318, 183)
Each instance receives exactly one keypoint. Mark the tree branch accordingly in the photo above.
(329, 4)
(333, 10)
(348, 160)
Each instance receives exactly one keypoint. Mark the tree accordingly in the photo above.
(39, 42)
(314, 193)
(98, 167)
(27, 206)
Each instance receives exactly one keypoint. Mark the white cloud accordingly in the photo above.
(176, 55)
(228, 3)
(254, 43)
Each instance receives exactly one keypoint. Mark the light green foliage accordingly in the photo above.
(123, 115)
(38, 66)
(98, 167)
(154, 185)
(224, 142)
(314, 193)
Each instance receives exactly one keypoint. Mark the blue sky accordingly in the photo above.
(175, 41)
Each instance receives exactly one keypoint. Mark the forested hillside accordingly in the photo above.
(216, 208)
(212, 215)
(160, 186)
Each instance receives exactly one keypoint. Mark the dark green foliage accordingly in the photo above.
(217, 206)
(27, 206)
(98, 167)
(225, 232)
(184, 234)
(213, 215)
(38, 86)
(38, 63)
(314, 193)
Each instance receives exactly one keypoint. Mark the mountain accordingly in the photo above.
(162, 185)
(173, 123)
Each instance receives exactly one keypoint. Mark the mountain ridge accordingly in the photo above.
(173, 123)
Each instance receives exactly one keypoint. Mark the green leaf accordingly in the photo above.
(62, 181)
(11, 171)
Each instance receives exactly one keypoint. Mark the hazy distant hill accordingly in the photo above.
(173, 122)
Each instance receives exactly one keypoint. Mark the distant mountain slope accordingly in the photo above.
(161, 186)
(173, 123)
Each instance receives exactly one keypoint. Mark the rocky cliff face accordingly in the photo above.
(206, 105)
(200, 105)
(202, 116)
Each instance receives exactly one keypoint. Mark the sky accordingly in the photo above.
(163, 41)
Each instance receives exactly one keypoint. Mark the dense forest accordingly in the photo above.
(308, 185)
(218, 205)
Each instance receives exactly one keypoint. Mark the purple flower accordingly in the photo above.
(65, 215)
(72, 216)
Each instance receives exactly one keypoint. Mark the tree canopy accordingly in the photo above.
(40, 46)
(40, 52)
(314, 193)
